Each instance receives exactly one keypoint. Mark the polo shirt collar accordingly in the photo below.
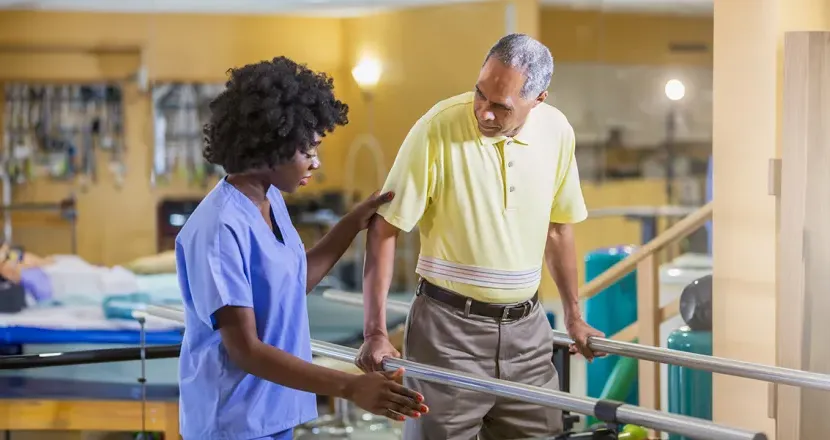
(520, 138)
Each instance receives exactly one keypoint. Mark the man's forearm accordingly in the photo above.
(323, 256)
(560, 257)
(381, 239)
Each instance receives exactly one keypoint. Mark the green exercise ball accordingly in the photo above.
(633, 432)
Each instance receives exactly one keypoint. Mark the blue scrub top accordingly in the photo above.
(226, 255)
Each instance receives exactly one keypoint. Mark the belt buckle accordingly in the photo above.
(526, 308)
(419, 289)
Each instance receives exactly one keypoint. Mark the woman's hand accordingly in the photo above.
(380, 393)
(362, 214)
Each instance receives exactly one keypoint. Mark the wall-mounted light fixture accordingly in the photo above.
(367, 74)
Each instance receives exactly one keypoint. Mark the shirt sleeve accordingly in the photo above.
(412, 179)
(221, 279)
(568, 203)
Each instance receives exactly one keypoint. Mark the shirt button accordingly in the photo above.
(510, 164)
(512, 188)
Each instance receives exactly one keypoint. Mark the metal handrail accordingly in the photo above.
(84, 357)
(749, 370)
(620, 413)
(714, 364)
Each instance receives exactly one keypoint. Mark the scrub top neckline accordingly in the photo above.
(251, 206)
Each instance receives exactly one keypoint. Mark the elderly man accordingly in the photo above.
(490, 178)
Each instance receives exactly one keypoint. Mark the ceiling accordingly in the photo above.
(329, 7)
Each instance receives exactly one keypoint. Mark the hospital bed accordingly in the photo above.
(108, 397)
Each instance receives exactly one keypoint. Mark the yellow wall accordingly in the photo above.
(187, 47)
(624, 38)
(428, 54)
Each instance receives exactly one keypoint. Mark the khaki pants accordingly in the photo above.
(518, 351)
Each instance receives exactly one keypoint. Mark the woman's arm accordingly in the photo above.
(323, 255)
(237, 326)
(378, 393)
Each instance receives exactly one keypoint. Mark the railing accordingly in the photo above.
(749, 370)
(611, 411)
(649, 313)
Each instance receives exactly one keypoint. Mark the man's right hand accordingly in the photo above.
(372, 352)
(380, 393)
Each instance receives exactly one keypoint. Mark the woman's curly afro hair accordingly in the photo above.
(267, 112)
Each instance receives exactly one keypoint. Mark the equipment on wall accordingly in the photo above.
(180, 110)
(55, 131)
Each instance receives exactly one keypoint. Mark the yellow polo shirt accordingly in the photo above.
(483, 205)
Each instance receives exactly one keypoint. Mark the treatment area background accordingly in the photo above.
(673, 102)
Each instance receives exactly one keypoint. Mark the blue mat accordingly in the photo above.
(20, 387)
(29, 335)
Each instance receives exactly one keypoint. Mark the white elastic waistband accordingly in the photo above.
(478, 276)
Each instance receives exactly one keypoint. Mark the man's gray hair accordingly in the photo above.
(528, 55)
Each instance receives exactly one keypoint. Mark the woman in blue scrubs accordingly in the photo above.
(245, 369)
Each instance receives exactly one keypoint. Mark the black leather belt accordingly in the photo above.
(501, 312)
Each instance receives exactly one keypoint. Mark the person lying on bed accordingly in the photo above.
(60, 276)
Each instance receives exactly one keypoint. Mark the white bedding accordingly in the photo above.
(161, 289)
(70, 275)
(78, 317)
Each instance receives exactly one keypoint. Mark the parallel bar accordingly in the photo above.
(25, 361)
(687, 426)
(749, 370)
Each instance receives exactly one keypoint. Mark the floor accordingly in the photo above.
(364, 427)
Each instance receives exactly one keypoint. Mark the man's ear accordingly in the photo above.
(541, 98)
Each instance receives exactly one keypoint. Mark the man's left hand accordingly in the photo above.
(580, 331)
(362, 213)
